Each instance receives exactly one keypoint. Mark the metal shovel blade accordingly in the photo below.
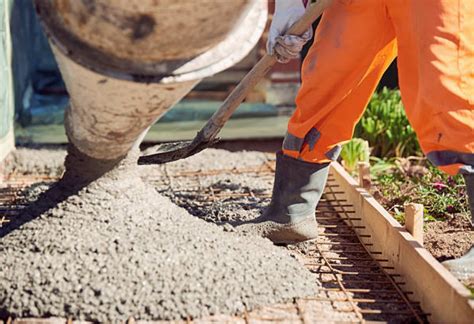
(168, 152)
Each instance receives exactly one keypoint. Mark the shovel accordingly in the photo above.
(206, 137)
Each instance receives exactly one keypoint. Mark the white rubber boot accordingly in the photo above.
(463, 267)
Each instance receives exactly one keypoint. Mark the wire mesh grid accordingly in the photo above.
(356, 280)
(357, 283)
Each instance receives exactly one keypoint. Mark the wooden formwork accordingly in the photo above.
(439, 292)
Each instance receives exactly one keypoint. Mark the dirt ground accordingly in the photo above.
(445, 238)
(447, 234)
(449, 239)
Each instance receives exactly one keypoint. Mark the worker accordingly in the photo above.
(355, 43)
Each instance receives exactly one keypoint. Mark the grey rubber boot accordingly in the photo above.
(290, 217)
(469, 179)
(463, 267)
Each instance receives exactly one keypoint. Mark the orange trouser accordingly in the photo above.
(355, 43)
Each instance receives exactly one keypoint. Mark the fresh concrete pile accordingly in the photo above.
(117, 248)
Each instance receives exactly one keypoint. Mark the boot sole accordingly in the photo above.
(285, 243)
(305, 231)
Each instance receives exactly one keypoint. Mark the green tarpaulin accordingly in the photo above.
(6, 90)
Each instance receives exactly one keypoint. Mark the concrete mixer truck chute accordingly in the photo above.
(127, 62)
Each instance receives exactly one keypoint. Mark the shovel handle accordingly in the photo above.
(264, 65)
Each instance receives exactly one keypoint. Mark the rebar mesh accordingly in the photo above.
(357, 284)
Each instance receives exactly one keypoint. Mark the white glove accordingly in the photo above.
(286, 48)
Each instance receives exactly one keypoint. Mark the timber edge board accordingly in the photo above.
(440, 293)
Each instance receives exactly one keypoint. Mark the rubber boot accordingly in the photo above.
(290, 217)
(463, 267)
(469, 179)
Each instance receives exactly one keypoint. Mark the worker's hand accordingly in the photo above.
(286, 48)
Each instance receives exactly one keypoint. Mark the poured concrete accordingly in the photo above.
(49, 162)
(118, 248)
(184, 192)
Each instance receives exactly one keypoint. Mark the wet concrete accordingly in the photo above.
(118, 248)
(41, 161)
(240, 206)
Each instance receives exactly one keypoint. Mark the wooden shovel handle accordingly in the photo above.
(235, 98)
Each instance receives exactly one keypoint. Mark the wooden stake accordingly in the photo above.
(364, 175)
(414, 221)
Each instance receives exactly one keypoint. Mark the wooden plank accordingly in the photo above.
(414, 221)
(364, 175)
(439, 292)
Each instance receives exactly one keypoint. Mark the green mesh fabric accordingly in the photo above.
(5, 80)
(6, 89)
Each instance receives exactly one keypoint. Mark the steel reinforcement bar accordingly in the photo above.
(369, 267)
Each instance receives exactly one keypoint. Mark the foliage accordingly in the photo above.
(385, 126)
(419, 181)
(354, 151)
(400, 175)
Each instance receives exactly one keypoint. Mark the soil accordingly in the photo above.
(117, 248)
(446, 238)
(449, 239)
(450, 235)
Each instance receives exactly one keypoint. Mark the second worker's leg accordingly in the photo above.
(436, 64)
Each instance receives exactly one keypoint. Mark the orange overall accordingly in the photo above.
(355, 43)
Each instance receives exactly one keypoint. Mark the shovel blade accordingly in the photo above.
(169, 152)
